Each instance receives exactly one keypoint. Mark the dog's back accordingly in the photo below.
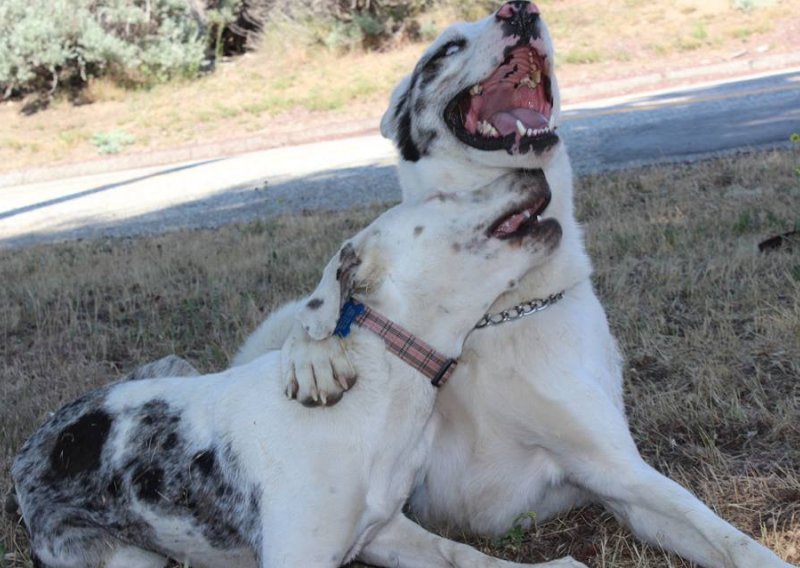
(193, 468)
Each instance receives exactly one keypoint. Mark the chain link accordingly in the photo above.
(519, 311)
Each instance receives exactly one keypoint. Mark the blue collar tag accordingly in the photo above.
(350, 311)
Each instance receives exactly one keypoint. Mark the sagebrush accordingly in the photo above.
(48, 43)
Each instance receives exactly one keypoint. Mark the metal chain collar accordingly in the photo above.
(519, 311)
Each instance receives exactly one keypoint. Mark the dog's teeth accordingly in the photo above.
(529, 132)
(493, 131)
(538, 218)
(476, 90)
(521, 128)
(526, 81)
(526, 214)
(536, 76)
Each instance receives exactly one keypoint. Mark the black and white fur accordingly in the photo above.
(223, 470)
(533, 419)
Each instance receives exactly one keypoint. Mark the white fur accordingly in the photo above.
(533, 419)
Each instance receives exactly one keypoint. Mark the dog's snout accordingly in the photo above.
(518, 15)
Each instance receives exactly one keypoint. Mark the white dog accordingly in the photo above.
(534, 418)
(223, 470)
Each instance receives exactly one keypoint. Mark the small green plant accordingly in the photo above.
(515, 536)
(750, 5)
(744, 223)
(699, 31)
(795, 138)
(112, 142)
(223, 15)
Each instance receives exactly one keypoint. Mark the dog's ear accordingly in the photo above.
(321, 312)
(397, 104)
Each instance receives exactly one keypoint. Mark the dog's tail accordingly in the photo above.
(11, 507)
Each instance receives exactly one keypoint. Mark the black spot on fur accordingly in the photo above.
(148, 482)
(418, 230)
(114, 486)
(80, 445)
(522, 24)
(405, 143)
(169, 442)
(204, 462)
(315, 303)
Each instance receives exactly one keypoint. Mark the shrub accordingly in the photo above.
(112, 142)
(344, 23)
(47, 42)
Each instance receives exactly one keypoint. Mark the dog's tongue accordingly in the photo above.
(511, 224)
(506, 121)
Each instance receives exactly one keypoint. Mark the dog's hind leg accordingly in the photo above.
(597, 451)
(404, 543)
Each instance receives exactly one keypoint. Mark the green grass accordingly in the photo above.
(710, 329)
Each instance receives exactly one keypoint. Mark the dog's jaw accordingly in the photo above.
(471, 169)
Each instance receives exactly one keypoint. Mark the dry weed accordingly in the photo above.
(709, 326)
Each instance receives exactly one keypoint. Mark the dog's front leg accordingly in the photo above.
(405, 544)
(315, 372)
(593, 444)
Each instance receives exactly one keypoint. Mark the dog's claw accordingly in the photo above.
(321, 370)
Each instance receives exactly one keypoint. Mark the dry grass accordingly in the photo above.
(709, 326)
(289, 85)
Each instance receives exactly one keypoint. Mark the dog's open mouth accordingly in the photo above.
(521, 221)
(508, 110)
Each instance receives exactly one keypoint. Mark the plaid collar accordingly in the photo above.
(418, 354)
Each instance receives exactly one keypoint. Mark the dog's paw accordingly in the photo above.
(316, 373)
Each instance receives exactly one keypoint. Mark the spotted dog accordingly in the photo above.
(533, 419)
(223, 470)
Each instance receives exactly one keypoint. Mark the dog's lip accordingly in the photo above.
(521, 220)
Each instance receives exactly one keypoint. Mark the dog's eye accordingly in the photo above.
(452, 47)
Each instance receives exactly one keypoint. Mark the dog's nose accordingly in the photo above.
(518, 15)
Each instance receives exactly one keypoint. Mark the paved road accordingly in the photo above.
(668, 126)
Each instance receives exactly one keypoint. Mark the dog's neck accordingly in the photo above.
(425, 177)
(569, 266)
